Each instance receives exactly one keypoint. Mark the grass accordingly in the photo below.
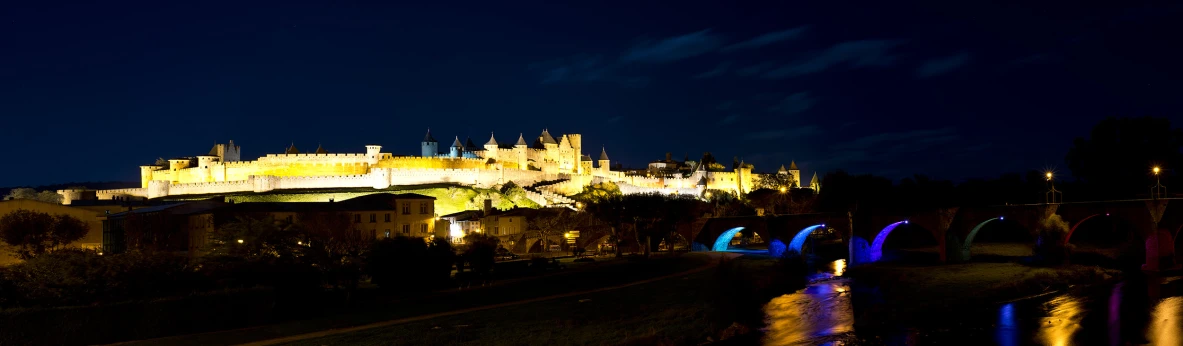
(375, 308)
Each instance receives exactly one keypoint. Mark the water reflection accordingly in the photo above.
(805, 317)
(1062, 322)
(1165, 326)
(1007, 332)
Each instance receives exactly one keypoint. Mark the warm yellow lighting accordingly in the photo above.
(240, 241)
(299, 243)
(1048, 175)
(782, 189)
(707, 194)
(1156, 170)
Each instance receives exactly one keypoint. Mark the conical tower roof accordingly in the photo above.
(603, 154)
(782, 169)
(492, 140)
(214, 151)
(547, 138)
(321, 150)
(428, 138)
(793, 165)
(457, 144)
(468, 143)
(814, 180)
(292, 149)
(521, 140)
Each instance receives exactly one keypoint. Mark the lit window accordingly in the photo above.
(387, 233)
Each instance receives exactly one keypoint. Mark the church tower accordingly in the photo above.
(431, 148)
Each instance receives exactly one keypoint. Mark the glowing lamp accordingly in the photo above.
(240, 241)
(1156, 170)
(1001, 218)
(905, 221)
(1048, 175)
(299, 243)
(782, 189)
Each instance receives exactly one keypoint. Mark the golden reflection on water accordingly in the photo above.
(1062, 322)
(1165, 322)
(839, 267)
(820, 310)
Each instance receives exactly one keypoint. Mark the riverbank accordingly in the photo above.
(909, 288)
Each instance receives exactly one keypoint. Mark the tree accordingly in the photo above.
(32, 233)
(593, 193)
(250, 237)
(31, 194)
(776, 181)
(549, 224)
(1115, 160)
(480, 252)
(409, 264)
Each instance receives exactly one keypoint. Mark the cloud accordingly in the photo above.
(614, 119)
(864, 53)
(584, 69)
(753, 70)
(717, 71)
(939, 66)
(729, 119)
(766, 39)
(793, 104)
(785, 134)
(883, 140)
(674, 48)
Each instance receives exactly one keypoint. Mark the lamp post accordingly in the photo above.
(1052, 196)
(1157, 191)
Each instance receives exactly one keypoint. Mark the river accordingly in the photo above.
(833, 310)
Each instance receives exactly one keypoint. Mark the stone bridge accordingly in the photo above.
(1156, 222)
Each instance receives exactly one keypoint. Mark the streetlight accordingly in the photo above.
(240, 241)
(1157, 191)
(782, 189)
(1052, 193)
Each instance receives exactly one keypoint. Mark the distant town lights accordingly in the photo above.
(240, 241)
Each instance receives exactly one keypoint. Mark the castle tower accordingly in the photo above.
(519, 151)
(491, 147)
(796, 173)
(815, 184)
(146, 175)
(457, 149)
(321, 149)
(577, 151)
(431, 148)
(373, 153)
(603, 162)
(204, 167)
(782, 170)
(291, 150)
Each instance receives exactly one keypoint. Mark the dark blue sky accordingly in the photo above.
(952, 89)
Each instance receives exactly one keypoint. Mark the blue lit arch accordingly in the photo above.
(877, 245)
(724, 239)
(799, 239)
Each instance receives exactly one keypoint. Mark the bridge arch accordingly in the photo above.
(724, 239)
(798, 240)
(969, 239)
(880, 238)
(1078, 223)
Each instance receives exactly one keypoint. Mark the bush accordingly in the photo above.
(409, 264)
(80, 277)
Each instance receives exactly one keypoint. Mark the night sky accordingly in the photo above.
(951, 89)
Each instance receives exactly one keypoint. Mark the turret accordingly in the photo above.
(815, 184)
(519, 151)
(548, 141)
(373, 152)
(146, 175)
(457, 149)
(796, 173)
(603, 162)
(291, 150)
(491, 147)
(431, 148)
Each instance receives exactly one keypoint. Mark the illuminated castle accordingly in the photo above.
(560, 163)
